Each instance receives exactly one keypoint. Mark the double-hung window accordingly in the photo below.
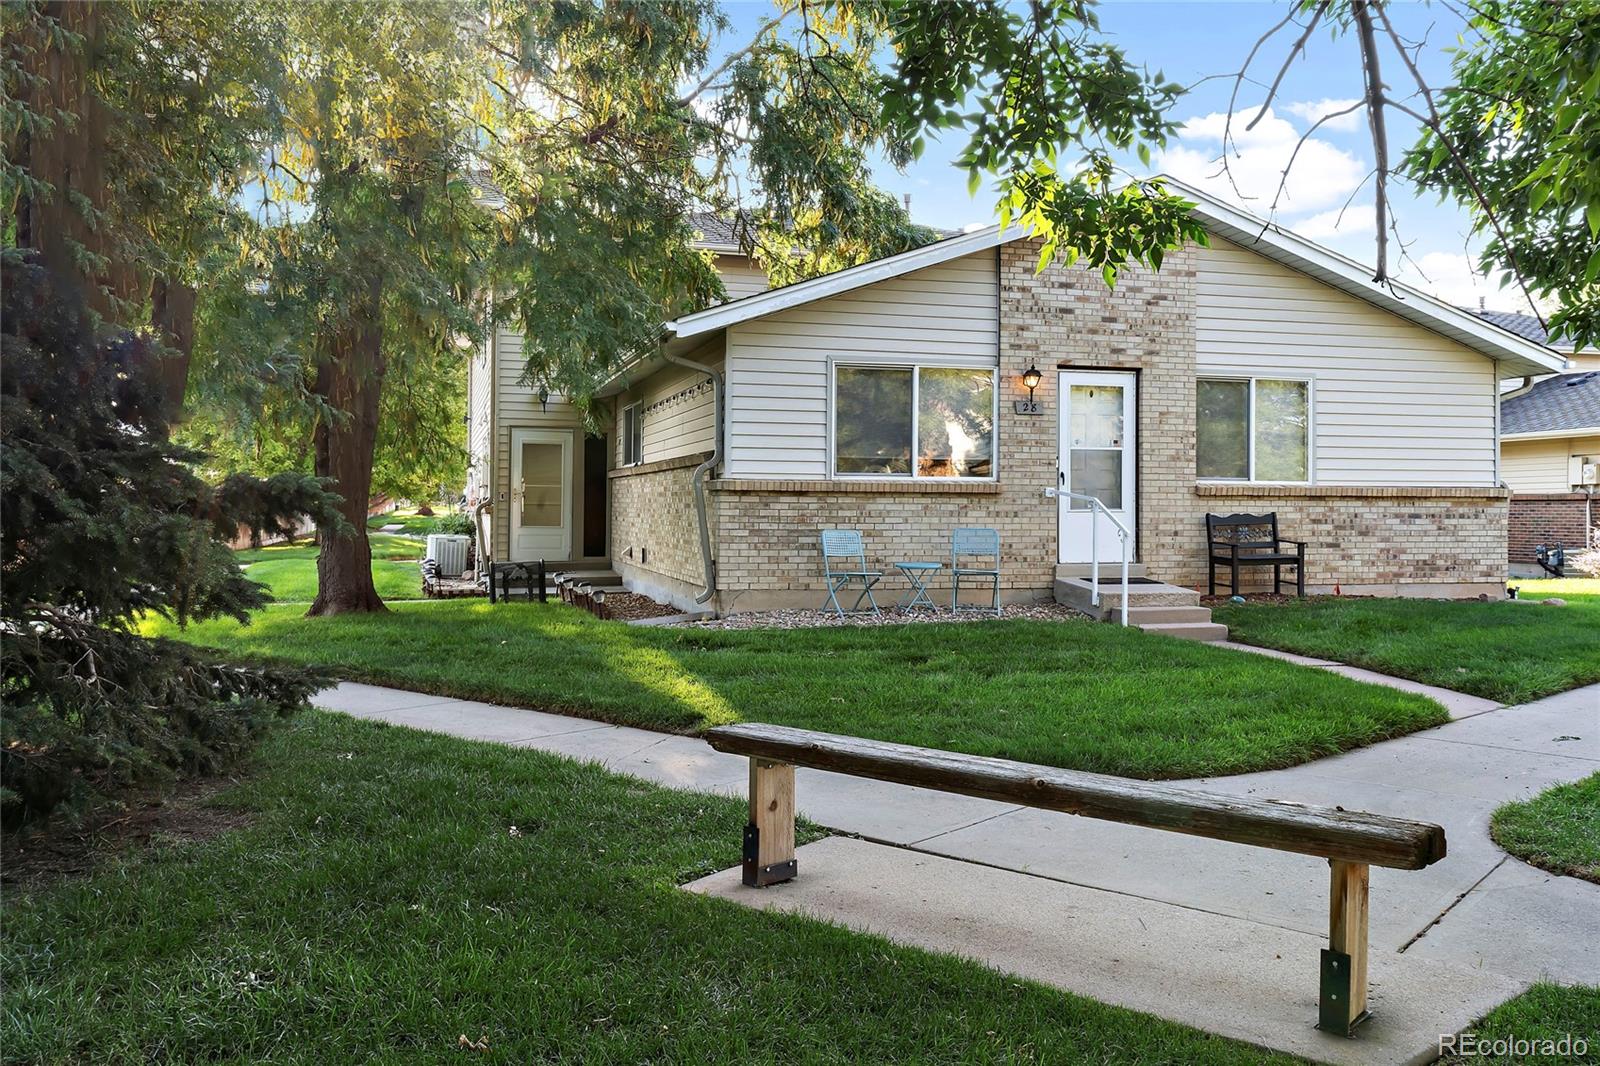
(913, 421)
(632, 435)
(1253, 429)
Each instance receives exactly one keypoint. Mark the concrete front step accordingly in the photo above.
(1076, 592)
(1155, 608)
(1206, 631)
(1141, 616)
(1108, 571)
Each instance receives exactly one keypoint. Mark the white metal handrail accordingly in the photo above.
(1094, 548)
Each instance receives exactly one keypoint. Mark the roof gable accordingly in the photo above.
(1519, 355)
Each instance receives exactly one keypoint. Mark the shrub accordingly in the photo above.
(1588, 560)
(459, 523)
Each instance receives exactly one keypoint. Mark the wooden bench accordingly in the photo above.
(1237, 540)
(1351, 841)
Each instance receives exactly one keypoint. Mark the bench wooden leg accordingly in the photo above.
(1343, 1000)
(769, 838)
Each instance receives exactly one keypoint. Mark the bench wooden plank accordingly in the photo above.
(1346, 836)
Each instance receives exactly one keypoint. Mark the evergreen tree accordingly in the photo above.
(101, 521)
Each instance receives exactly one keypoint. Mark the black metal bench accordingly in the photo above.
(1237, 540)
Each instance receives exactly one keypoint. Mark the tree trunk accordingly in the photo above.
(172, 314)
(350, 380)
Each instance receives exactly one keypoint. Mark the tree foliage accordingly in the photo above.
(1514, 141)
(103, 521)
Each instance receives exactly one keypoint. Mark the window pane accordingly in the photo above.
(632, 435)
(1097, 472)
(1096, 416)
(1222, 436)
(872, 421)
(541, 485)
(955, 424)
(1281, 431)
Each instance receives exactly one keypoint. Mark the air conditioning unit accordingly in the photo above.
(449, 551)
(1584, 470)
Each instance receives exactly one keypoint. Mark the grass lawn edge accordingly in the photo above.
(1374, 729)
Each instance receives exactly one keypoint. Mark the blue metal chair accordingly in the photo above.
(975, 543)
(845, 545)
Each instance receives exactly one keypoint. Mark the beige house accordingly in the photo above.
(1261, 373)
(1550, 455)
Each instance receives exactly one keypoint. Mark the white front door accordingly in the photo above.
(541, 494)
(1096, 459)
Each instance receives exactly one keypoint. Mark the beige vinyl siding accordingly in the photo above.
(740, 277)
(1543, 465)
(778, 366)
(1393, 403)
(679, 414)
(519, 408)
(479, 398)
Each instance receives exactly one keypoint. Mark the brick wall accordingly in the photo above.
(1373, 541)
(768, 553)
(655, 536)
(1545, 518)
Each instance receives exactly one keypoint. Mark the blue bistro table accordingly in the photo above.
(918, 575)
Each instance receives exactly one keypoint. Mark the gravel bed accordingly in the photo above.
(891, 616)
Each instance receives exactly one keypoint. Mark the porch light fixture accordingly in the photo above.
(1030, 379)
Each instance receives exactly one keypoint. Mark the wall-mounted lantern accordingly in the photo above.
(1030, 380)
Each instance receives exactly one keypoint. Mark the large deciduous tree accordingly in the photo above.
(128, 127)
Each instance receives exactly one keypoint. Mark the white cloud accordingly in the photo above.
(1309, 111)
(1323, 175)
(1454, 278)
(1356, 219)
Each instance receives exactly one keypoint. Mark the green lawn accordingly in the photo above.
(1511, 652)
(396, 891)
(1557, 830)
(415, 524)
(1544, 1012)
(1076, 694)
(290, 570)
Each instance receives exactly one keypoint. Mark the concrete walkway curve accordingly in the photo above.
(1199, 931)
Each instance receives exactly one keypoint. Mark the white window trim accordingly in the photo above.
(916, 369)
(1310, 383)
(627, 438)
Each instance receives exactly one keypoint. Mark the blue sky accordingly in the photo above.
(1198, 40)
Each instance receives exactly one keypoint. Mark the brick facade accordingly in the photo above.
(1548, 518)
(655, 535)
(1363, 540)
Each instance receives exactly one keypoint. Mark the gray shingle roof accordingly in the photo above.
(1522, 325)
(1566, 401)
(715, 230)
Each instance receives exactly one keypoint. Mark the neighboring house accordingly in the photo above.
(1263, 373)
(532, 460)
(1550, 458)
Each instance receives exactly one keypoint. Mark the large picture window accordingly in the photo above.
(1253, 429)
(909, 421)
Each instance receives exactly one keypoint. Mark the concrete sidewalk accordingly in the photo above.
(1230, 933)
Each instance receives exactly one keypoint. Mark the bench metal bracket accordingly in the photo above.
(757, 876)
(1333, 1005)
